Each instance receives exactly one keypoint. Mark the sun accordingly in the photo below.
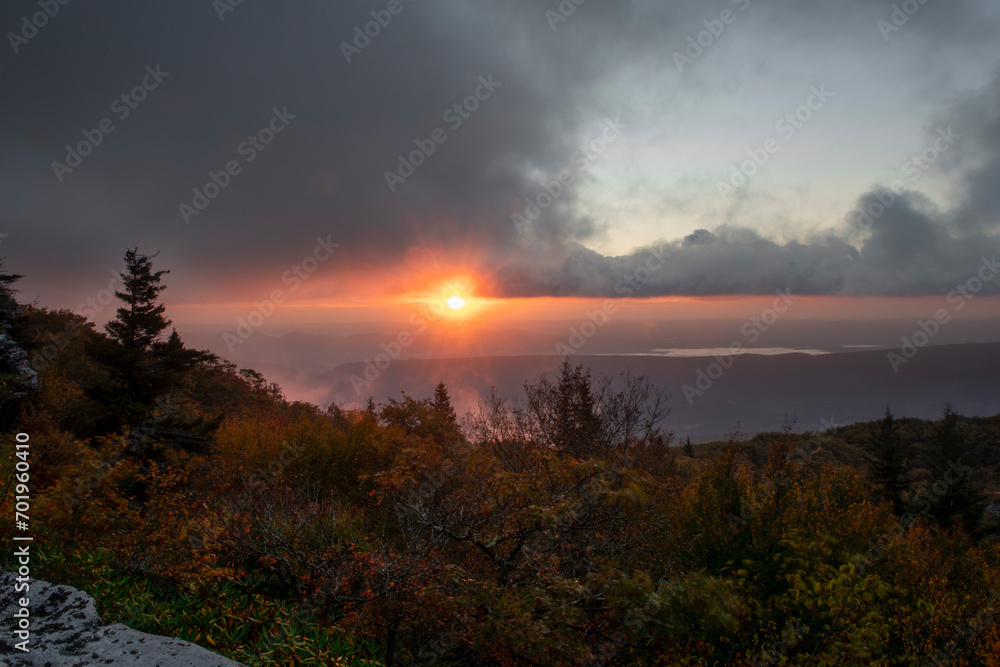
(453, 300)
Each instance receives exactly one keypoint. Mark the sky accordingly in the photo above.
(353, 157)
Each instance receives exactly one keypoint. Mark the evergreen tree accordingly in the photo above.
(887, 466)
(260, 386)
(147, 371)
(442, 405)
(138, 325)
(446, 426)
(173, 359)
(688, 447)
(8, 307)
(578, 426)
(140, 321)
(954, 497)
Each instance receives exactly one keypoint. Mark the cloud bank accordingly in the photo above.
(375, 98)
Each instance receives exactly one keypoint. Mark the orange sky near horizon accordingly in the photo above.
(479, 312)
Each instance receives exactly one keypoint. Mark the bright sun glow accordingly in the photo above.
(451, 300)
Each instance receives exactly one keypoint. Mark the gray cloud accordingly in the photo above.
(324, 175)
(890, 245)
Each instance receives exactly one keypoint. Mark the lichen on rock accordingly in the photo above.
(66, 630)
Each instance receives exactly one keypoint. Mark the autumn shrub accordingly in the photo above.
(301, 547)
(337, 462)
(251, 440)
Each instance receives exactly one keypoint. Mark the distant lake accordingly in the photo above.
(724, 351)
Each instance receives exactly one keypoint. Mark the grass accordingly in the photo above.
(222, 615)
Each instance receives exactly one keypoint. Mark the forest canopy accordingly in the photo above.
(566, 526)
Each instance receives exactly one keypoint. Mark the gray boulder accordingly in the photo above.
(66, 630)
(16, 359)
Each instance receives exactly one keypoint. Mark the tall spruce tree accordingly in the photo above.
(148, 368)
(888, 461)
(578, 426)
(133, 351)
(139, 322)
(955, 499)
(689, 448)
(446, 422)
(442, 405)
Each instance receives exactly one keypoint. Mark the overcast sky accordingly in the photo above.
(643, 124)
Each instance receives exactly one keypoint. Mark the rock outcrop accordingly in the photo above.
(14, 358)
(66, 630)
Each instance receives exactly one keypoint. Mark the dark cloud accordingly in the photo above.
(324, 174)
(976, 162)
(895, 242)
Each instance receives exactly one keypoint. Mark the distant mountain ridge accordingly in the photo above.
(757, 392)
